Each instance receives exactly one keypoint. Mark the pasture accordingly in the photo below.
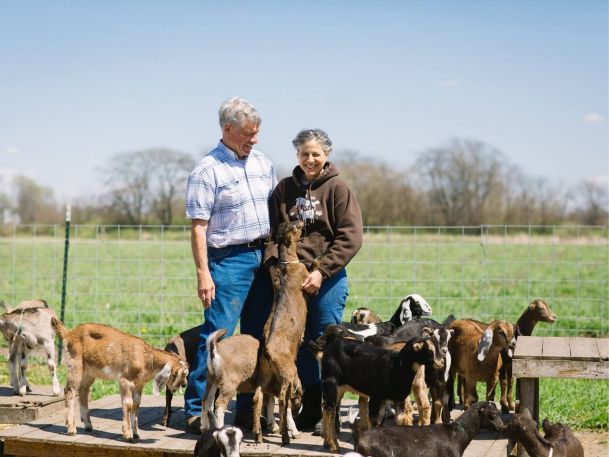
(141, 280)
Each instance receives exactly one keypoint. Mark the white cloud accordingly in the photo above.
(593, 118)
(12, 151)
(450, 83)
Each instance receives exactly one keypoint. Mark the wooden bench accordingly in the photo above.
(556, 357)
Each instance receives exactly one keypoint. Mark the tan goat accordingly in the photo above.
(283, 332)
(475, 354)
(101, 351)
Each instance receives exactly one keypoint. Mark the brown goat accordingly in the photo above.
(559, 440)
(101, 351)
(536, 311)
(283, 331)
(365, 316)
(475, 354)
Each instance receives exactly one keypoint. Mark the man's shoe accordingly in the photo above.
(193, 424)
(245, 419)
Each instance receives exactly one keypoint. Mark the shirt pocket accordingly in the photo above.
(227, 196)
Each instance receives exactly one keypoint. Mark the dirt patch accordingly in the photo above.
(596, 444)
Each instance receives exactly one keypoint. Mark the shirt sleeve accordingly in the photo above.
(349, 232)
(200, 194)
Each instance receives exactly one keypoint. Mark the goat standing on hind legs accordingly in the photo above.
(283, 333)
(100, 351)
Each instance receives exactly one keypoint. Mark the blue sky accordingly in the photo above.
(83, 80)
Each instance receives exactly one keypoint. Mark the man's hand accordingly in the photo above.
(206, 289)
(313, 282)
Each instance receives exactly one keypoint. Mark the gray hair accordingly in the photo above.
(318, 135)
(236, 111)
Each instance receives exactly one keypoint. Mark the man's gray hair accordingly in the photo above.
(318, 135)
(236, 111)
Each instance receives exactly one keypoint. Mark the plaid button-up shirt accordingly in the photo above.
(232, 195)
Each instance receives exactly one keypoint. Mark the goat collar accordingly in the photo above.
(460, 428)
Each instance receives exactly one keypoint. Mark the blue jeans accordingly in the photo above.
(243, 290)
(324, 309)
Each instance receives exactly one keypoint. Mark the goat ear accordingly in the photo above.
(418, 346)
(427, 331)
(160, 380)
(4, 305)
(484, 344)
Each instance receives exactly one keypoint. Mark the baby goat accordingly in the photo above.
(184, 345)
(370, 372)
(559, 440)
(25, 328)
(218, 441)
(446, 440)
(101, 351)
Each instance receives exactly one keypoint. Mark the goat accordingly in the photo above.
(446, 440)
(559, 440)
(536, 311)
(373, 373)
(283, 333)
(364, 316)
(232, 366)
(475, 356)
(25, 328)
(411, 306)
(184, 345)
(433, 379)
(218, 441)
(101, 351)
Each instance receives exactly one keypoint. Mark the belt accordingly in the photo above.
(257, 243)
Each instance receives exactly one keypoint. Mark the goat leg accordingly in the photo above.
(284, 402)
(256, 410)
(208, 405)
(125, 389)
(272, 426)
(403, 412)
(49, 347)
(167, 411)
(137, 398)
(23, 366)
(329, 395)
(83, 398)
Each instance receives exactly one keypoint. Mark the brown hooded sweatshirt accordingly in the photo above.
(333, 229)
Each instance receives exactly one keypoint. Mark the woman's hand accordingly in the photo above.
(313, 282)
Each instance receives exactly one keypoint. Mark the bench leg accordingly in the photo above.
(529, 398)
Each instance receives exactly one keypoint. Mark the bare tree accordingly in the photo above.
(592, 200)
(148, 182)
(465, 182)
(33, 203)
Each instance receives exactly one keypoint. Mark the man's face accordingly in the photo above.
(241, 138)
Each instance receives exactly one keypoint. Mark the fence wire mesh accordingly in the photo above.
(141, 278)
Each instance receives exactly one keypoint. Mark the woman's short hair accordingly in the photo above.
(318, 135)
(236, 111)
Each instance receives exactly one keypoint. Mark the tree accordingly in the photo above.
(592, 203)
(34, 203)
(465, 181)
(148, 182)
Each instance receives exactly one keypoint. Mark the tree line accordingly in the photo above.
(463, 182)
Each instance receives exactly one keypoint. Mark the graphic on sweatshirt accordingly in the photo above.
(306, 209)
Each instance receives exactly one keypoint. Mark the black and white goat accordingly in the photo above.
(375, 374)
(218, 441)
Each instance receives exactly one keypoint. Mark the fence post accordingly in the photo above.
(64, 281)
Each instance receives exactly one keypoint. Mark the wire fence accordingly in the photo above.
(141, 279)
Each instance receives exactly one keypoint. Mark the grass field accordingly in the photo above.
(141, 280)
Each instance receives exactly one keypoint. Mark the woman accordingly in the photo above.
(332, 234)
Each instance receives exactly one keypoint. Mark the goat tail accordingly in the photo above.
(213, 358)
(60, 329)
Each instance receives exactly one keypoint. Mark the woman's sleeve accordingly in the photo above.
(348, 229)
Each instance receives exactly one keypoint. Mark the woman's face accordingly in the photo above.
(311, 158)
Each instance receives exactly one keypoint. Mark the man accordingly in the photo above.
(227, 200)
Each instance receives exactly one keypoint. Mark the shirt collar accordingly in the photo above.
(230, 153)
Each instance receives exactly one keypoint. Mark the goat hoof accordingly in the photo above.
(88, 428)
(258, 438)
(136, 436)
(22, 391)
(285, 439)
(129, 439)
(295, 435)
(505, 409)
(72, 432)
(28, 389)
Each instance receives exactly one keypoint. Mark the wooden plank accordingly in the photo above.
(528, 346)
(556, 347)
(580, 369)
(584, 348)
(603, 348)
(15, 409)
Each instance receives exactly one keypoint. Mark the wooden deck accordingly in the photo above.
(46, 436)
(20, 410)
